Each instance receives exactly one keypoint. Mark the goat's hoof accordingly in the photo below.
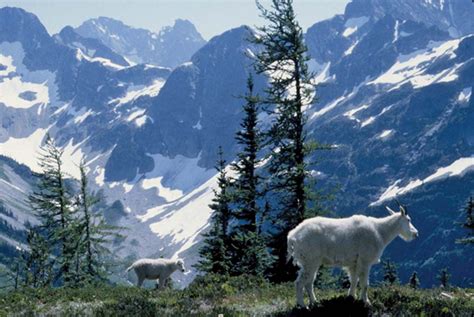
(301, 307)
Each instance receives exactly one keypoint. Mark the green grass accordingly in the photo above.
(244, 296)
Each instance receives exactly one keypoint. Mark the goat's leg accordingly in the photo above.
(163, 281)
(312, 272)
(364, 282)
(300, 282)
(140, 281)
(354, 279)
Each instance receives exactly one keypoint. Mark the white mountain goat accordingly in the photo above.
(156, 269)
(354, 243)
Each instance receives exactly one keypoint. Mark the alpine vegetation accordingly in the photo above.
(215, 252)
(469, 223)
(249, 250)
(52, 203)
(69, 245)
(355, 243)
(156, 269)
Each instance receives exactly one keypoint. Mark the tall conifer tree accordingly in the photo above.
(247, 181)
(215, 252)
(249, 251)
(284, 57)
(94, 235)
(51, 202)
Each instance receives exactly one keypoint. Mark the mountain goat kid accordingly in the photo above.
(156, 269)
(354, 243)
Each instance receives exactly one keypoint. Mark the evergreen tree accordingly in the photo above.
(390, 272)
(443, 277)
(249, 251)
(94, 235)
(246, 183)
(37, 262)
(469, 224)
(215, 252)
(51, 202)
(414, 281)
(284, 56)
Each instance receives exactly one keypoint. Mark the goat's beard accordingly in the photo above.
(407, 239)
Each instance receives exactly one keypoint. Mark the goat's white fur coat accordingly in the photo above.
(155, 269)
(355, 243)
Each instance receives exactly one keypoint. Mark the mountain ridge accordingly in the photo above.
(170, 47)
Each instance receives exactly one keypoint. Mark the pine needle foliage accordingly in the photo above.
(249, 251)
(52, 204)
(94, 235)
(469, 223)
(215, 251)
(284, 56)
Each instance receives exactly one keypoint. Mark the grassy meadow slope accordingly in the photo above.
(242, 296)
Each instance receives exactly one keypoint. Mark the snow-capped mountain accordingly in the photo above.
(394, 97)
(90, 48)
(171, 47)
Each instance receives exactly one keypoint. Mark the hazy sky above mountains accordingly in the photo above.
(211, 17)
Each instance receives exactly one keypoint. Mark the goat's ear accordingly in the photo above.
(403, 210)
(390, 210)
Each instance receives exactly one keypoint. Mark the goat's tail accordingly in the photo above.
(290, 248)
(129, 268)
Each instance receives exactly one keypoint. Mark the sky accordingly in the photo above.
(211, 17)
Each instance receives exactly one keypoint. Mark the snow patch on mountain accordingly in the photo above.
(22, 88)
(135, 114)
(165, 192)
(353, 24)
(73, 155)
(351, 48)
(180, 172)
(350, 114)
(321, 71)
(25, 150)
(13, 93)
(104, 61)
(368, 121)
(82, 115)
(464, 95)
(412, 67)
(385, 134)
(329, 107)
(458, 168)
(6, 65)
(136, 91)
